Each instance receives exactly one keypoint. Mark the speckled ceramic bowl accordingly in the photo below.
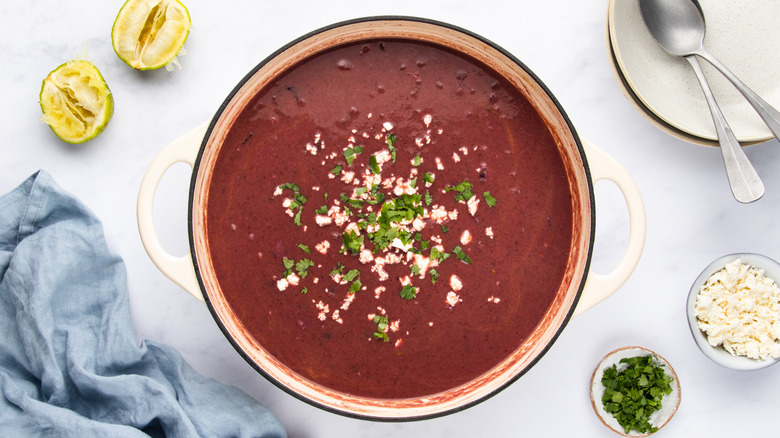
(660, 418)
(718, 354)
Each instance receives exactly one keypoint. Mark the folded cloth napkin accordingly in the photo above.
(69, 363)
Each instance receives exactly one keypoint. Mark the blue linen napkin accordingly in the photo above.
(69, 363)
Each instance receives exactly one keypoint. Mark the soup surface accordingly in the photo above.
(389, 219)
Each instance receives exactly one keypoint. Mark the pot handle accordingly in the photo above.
(600, 286)
(180, 270)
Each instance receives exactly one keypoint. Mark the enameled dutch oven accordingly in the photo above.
(584, 165)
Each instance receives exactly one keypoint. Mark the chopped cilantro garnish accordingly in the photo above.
(302, 267)
(355, 286)
(352, 241)
(304, 248)
(337, 170)
(634, 393)
(434, 275)
(322, 210)
(304, 291)
(409, 292)
(458, 251)
(381, 325)
(440, 256)
(288, 266)
(390, 139)
(349, 153)
(372, 163)
(291, 186)
(428, 198)
(361, 190)
(415, 270)
(444, 229)
(417, 161)
(297, 201)
(428, 177)
(489, 200)
(463, 189)
(413, 183)
(352, 274)
(337, 269)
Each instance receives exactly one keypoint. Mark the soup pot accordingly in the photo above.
(584, 164)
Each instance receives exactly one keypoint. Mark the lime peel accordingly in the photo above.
(148, 34)
(76, 101)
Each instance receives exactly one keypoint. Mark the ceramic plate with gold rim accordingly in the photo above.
(742, 38)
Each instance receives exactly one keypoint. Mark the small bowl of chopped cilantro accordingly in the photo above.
(634, 391)
(734, 311)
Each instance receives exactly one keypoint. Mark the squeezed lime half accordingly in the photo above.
(148, 34)
(76, 102)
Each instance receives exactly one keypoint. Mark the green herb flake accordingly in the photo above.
(390, 139)
(349, 153)
(428, 198)
(337, 270)
(381, 322)
(352, 274)
(458, 251)
(444, 229)
(634, 393)
(428, 177)
(415, 270)
(434, 275)
(417, 161)
(297, 218)
(489, 200)
(304, 248)
(291, 186)
(302, 267)
(322, 210)
(372, 163)
(355, 286)
(409, 292)
(352, 241)
(288, 266)
(463, 190)
(337, 170)
(304, 291)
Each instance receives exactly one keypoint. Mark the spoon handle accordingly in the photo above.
(770, 115)
(745, 183)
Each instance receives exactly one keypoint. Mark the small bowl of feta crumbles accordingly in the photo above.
(734, 311)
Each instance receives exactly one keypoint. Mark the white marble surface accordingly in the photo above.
(692, 217)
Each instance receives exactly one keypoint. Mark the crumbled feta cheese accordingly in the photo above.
(278, 191)
(455, 157)
(489, 232)
(439, 165)
(366, 256)
(388, 126)
(739, 308)
(282, 284)
(452, 299)
(293, 279)
(472, 204)
(323, 246)
(427, 119)
(455, 283)
(465, 237)
(323, 220)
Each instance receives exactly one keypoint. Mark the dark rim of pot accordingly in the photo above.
(301, 397)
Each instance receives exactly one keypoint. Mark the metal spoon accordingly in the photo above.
(678, 26)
